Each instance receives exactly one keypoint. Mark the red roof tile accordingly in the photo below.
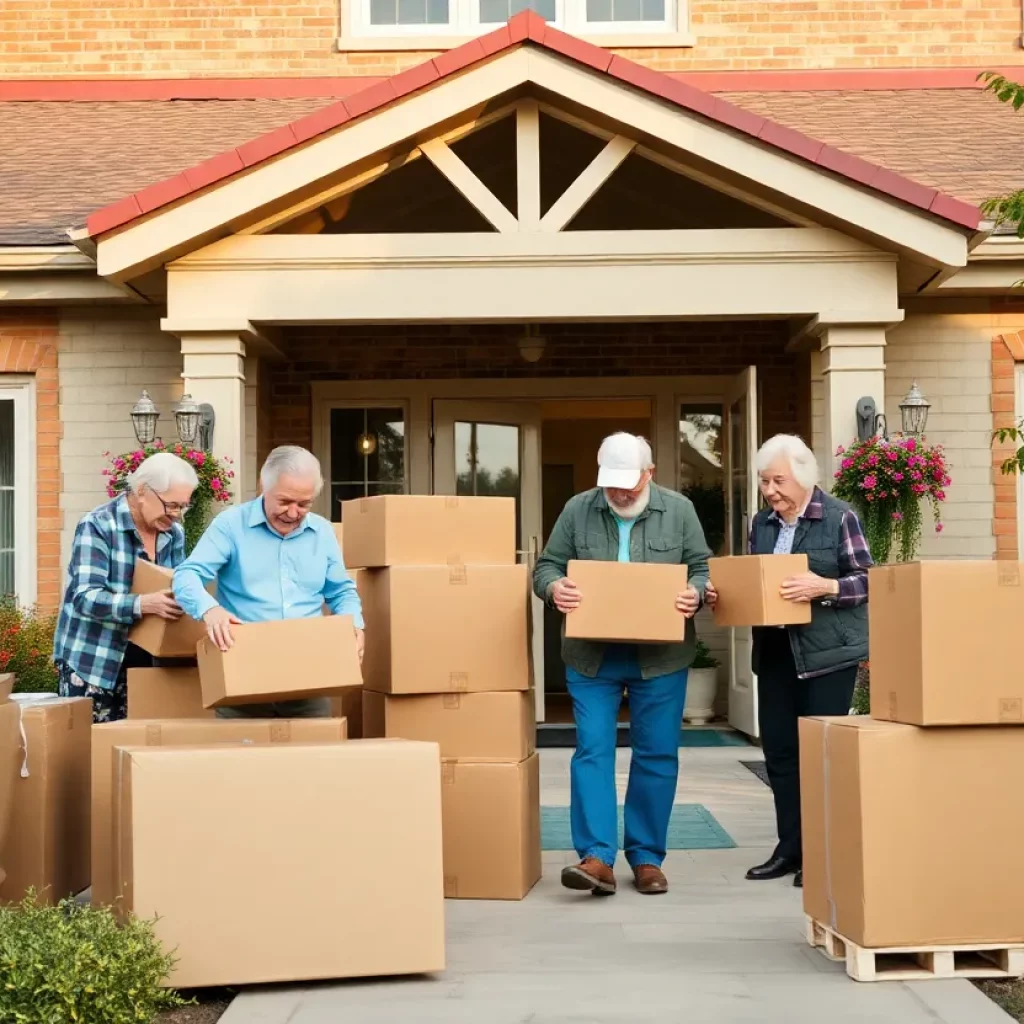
(530, 27)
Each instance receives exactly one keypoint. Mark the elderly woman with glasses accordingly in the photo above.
(810, 669)
(91, 648)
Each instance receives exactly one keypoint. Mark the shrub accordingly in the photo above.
(703, 658)
(73, 963)
(26, 647)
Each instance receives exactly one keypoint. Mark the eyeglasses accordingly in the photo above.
(172, 508)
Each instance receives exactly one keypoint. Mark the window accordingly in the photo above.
(1019, 413)
(403, 24)
(17, 484)
(367, 454)
(700, 468)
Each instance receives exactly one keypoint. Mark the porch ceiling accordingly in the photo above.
(259, 186)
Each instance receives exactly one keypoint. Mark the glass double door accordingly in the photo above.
(493, 449)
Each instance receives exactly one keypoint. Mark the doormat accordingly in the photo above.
(759, 769)
(691, 827)
(555, 735)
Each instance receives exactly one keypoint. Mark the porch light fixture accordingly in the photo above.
(187, 418)
(144, 417)
(366, 445)
(913, 416)
(532, 345)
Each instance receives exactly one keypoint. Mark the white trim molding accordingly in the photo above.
(21, 391)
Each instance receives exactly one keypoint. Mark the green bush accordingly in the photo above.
(703, 658)
(861, 703)
(73, 964)
(26, 647)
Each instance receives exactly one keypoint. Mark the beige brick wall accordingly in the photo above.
(106, 358)
(164, 38)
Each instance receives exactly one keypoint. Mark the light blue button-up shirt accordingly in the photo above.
(262, 576)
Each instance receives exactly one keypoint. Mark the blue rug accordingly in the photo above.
(691, 827)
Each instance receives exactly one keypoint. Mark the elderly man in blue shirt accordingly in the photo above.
(272, 558)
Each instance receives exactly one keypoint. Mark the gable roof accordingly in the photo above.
(528, 28)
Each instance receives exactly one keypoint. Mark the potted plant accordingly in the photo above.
(886, 480)
(701, 687)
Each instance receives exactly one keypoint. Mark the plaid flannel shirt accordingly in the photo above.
(98, 607)
(854, 556)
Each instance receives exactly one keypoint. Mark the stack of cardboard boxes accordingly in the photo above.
(446, 661)
(912, 817)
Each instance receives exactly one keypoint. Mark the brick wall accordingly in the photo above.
(28, 346)
(584, 350)
(107, 357)
(165, 38)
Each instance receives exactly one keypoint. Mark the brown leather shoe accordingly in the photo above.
(649, 880)
(590, 875)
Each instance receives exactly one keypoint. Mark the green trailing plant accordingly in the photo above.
(709, 504)
(703, 658)
(71, 964)
(26, 647)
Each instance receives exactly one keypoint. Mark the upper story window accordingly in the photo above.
(429, 24)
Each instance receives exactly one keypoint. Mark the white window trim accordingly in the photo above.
(1018, 416)
(359, 36)
(22, 391)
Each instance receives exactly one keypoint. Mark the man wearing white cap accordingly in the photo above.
(626, 518)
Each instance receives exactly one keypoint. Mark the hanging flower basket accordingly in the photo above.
(214, 481)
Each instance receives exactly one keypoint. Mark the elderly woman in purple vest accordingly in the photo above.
(809, 669)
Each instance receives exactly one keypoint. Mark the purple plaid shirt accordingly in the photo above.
(854, 556)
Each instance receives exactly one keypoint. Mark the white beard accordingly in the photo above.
(634, 510)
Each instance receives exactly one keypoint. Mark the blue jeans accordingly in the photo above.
(656, 716)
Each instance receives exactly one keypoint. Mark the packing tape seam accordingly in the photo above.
(832, 914)
(24, 741)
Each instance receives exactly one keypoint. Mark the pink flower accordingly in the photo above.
(200, 458)
(840, 450)
(891, 455)
(847, 463)
(870, 481)
(897, 476)
(119, 463)
(215, 484)
(910, 444)
(872, 460)
(940, 495)
(231, 472)
(938, 527)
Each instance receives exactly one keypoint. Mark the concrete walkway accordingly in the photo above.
(715, 949)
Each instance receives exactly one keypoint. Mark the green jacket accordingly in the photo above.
(666, 531)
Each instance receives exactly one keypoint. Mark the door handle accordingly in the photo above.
(532, 552)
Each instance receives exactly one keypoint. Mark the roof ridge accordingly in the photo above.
(528, 27)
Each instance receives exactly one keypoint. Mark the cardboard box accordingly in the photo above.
(446, 629)
(141, 733)
(633, 602)
(47, 844)
(6, 685)
(748, 590)
(491, 828)
(285, 863)
(11, 756)
(477, 726)
(289, 659)
(349, 705)
(406, 529)
(943, 641)
(161, 637)
(165, 693)
(912, 836)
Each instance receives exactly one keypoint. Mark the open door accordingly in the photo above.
(493, 449)
(741, 497)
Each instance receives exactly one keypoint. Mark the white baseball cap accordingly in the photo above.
(622, 460)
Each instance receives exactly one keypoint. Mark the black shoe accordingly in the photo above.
(798, 880)
(775, 867)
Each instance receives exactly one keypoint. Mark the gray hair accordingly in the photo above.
(162, 471)
(802, 463)
(291, 460)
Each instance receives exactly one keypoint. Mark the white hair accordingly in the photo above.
(162, 471)
(291, 460)
(802, 463)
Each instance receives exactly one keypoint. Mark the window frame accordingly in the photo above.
(1018, 416)
(324, 505)
(359, 35)
(21, 390)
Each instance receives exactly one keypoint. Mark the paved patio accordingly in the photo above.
(716, 948)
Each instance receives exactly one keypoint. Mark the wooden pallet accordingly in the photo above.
(918, 963)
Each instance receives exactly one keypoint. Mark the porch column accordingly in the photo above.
(213, 369)
(852, 363)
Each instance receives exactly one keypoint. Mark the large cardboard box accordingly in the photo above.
(47, 843)
(162, 637)
(748, 590)
(634, 602)
(349, 705)
(285, 863)
(491, 828)
(142, 733)
(912, 836)
(289, 659)
(11, 758)
(405, 529)
(478, 726)
(943, 641)
(165, 693)
(6, 685)
(446, 629)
